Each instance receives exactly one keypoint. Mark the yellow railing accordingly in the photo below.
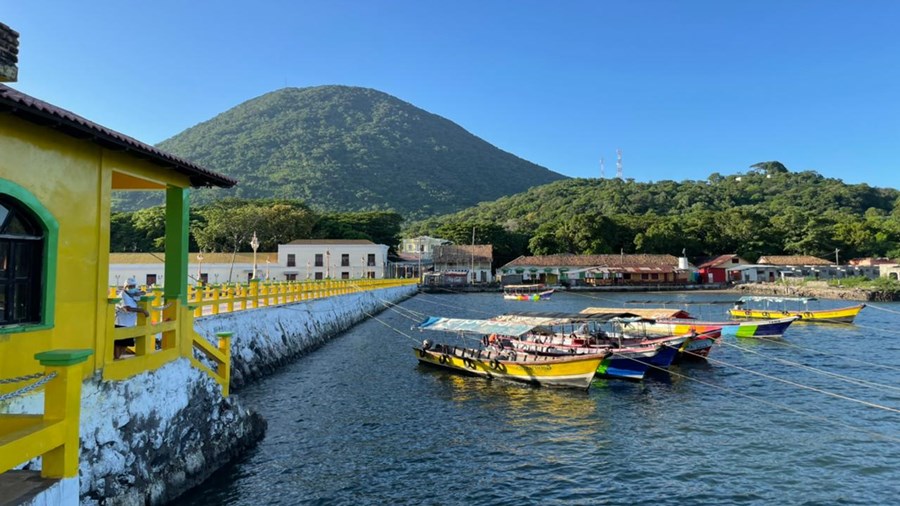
(159, 338)
(227, 298)
(53, 435)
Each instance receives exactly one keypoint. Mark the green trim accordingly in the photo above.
(62, 358)
(177, 207)
(51, 253)
(224, 334)
(20, 328)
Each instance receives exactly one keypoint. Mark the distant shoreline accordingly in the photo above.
(819, 292)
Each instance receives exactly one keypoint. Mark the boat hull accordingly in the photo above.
(839, 315)
(568, 372)
(748, 328)
(528, 296)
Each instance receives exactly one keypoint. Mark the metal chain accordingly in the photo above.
(24, 390)
(21, 378)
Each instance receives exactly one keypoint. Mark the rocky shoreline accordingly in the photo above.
(819, 292)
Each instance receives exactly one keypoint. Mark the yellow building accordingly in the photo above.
(57, 173)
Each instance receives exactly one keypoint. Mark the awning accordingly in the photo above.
(553, 318)
(475, 326)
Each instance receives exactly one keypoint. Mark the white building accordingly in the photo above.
(423, 246)
(298, 260)
(332, 259)
(149, 268)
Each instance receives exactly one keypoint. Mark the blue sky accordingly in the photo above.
(684, 88)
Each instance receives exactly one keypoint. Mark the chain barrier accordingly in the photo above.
(26, 389)
(21, 378)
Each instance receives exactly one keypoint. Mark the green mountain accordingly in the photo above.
(341, 148)
(767, 210)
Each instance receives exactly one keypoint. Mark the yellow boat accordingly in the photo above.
(838, 315)
(571, 372)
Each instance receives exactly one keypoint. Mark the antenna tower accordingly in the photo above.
(619, 163)
(602, 171)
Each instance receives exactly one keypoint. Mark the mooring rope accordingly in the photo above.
(873, 306)
(806, 387)
(827, 354)
(842, 377)
(426, 299)
(732, 391)
(781, 406)
(404, 334)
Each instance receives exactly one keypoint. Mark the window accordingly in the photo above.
(151, 279)
(291, 260)
(370, 275)
(645, 276)
(371, 262)
(204, 278)
(21, 264)
(345, 275)
(318, 275)
(319, 261)
(290, 277)
(654, 276)
(345, 260)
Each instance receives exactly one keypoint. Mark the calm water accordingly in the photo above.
(359, 422)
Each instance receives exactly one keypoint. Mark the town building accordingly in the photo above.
(778, 268)
(299, 260)
(597, 270)
(332, 259)
(421, 247)
(461, 264)
(716, 269)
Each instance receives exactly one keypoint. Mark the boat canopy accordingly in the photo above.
(545, 318)
(649, 313)
(476, 326)
(761, 298)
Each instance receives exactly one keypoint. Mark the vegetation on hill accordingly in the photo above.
(340, 148)
(228, 225)
(767, 210)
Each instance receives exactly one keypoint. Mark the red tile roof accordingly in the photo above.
(463, 253)
(41, 113)
(792, 260)
(638, 260)
(716, 261)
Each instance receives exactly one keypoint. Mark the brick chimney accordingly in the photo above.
(9, 54)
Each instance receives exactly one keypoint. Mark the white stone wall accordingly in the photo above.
(148, 439)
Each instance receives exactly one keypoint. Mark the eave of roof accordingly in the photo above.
(42, 113)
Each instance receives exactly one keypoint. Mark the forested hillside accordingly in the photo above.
(768, 210)
(340, 148)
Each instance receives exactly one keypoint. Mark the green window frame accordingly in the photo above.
(27, 228)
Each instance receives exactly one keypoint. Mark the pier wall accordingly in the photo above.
(150, 438)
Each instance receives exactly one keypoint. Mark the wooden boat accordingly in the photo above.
(662, 321)
(631, 362)
(838, 315)
(575, 371)
(527, 292)
(632, 354)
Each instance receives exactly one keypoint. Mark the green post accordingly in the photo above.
(177, 207)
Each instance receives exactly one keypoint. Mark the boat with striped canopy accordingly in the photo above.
(665, 321)
(575, 371)
(776, 307)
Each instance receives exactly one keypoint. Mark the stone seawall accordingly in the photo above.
(150, 438)
(820, 292)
